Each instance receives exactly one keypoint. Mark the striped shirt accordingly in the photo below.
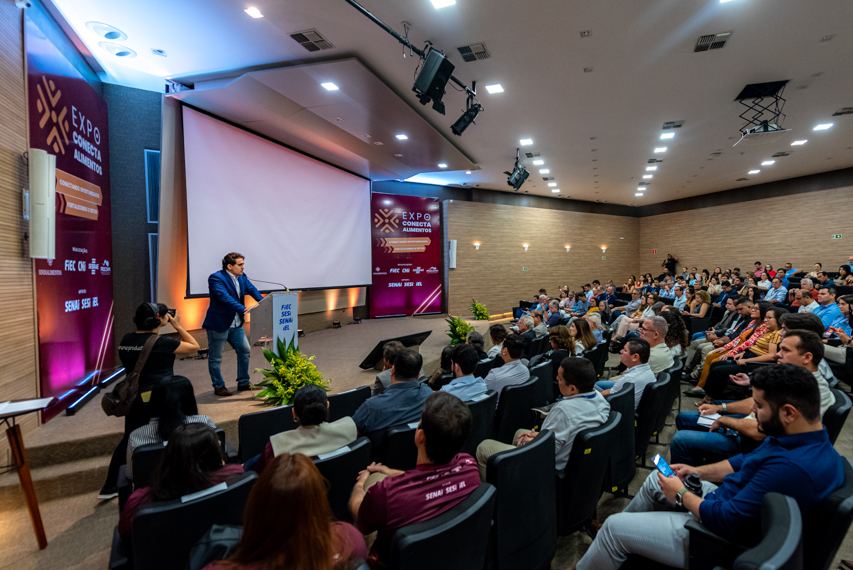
(148, 434)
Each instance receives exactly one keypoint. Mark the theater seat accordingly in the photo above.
(482, 421)
(254, 430)
(623, 460)
(344, 404)
(514, 410)
(835, 416)
(341, 468)
(398, 448)
(647, 413)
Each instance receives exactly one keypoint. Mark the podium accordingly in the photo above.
(275, 318)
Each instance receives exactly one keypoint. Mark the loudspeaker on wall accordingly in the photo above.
(453, 254)
(42, 171)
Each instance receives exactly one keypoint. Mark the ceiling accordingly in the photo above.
(595, 130)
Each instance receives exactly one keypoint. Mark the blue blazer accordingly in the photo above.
(224, 301)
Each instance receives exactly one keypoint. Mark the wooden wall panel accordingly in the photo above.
(17, 351)
(795, 229)
(493, 274)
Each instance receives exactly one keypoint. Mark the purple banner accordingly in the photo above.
(406, 234)
(75, 291)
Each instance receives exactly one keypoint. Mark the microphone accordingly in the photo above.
(267, 282)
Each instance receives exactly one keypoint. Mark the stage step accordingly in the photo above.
(57, 482)
(500, 316)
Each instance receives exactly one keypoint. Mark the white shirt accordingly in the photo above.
(809, 308)
(510, 374)
(570, 416)
(236, 322)
(640, 376)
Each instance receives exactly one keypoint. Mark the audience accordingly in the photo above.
(581, 408)
(384, 500)
(512, 372)
(497, 334)
(805, 301)
(777, 293)
(653, 331)
(562, 347)
(627, 325)
(439, 377)
(288, 523)
(465, 386)
(676, 334)
(635, 356)
(539, 326)
(476, 340)
(581, 332)
(828, 311)
(383, 379)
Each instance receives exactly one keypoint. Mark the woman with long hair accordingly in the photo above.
(714, 287)
(706, 278)
(845, 278)
(845, 332)
(497, 334)
(582, 334)
(700, 304)
(644, 311)
(764, 281)
(288, 523)
(768, 269)
(718, 273)
(676, 335)
(443, 369)
(818, 267)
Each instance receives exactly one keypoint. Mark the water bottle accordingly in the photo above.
(694, 484)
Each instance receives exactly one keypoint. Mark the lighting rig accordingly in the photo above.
(435, 72)
(519, 173)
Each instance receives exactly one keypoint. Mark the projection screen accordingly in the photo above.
(297, 221)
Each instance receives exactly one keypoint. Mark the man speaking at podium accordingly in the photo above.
(224, 321)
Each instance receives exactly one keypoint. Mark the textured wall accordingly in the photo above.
(134, 126)
(493, 274)
(794, 229)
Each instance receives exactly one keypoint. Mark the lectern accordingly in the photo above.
(274, 318)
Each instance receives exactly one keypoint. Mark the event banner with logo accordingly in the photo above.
(406, 234)
(75, 291)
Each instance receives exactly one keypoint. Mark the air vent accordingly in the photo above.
(712, 41)
(532, 154)
(655, 160)
(643, 183)
(312, 40)
(843, 111)
(783, 153)
(742, 179)
(716, 154)
(548, 178)
(672, 125)
(474, 52)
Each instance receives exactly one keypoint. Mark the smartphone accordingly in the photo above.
(663, 466)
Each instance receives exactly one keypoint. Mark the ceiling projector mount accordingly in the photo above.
(763, 114)
(435, 72)
(519, 172)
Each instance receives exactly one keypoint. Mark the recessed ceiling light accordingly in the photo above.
(106, 31)
(544, 171)
(442, 165)
(555, 190)
(660, 149)
(329, 86)
(398, 155)
(651, 168)
(538, 162)
(667, 135)
(823, 127)
(724, 1)
(768, 162)
(402, 137)
(647, 175)
(254, 12)
(467, 172)
(526, 142)
(799, 143)
(442, 3)
(641, 188)
(496, 88)
(638, 194)
(753, 172)
(552, 184)
(117, 50)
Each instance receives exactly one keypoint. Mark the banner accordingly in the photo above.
(406, 235)
(75, 291)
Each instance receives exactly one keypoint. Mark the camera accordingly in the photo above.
(172, 312)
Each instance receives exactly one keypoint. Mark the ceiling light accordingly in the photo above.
(647, 175)
(724, 1)
(667, 135)
(544, 171)
(467, 172)
(442, 3)
(117, 50)
(526, 142)
(106, 31)
(555, 190)
(768, 162)
(651, 168)
(660, 149)
(641, 188)
(799, 143)
(442, 165)
(254, 12)
(552, 184)
(753, 172)
(538, 162)
(822, 127)
(402, 137)
(329, 86)
(638, 194)
(496, 88)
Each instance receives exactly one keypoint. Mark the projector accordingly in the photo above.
(767, 133)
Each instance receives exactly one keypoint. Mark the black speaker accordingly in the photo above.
(359, 312)
(434, 75)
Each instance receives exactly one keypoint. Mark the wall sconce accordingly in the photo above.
(603, 248)
(476, 245)
(568, 248)
(525, 247)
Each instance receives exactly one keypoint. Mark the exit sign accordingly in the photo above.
(524, 269)
(836, 236)
(603, 257)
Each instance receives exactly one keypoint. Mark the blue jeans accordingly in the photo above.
(698, 335)
(695, 445)
(603, 385)
(236, 337)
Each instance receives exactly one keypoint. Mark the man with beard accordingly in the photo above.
(796, 459)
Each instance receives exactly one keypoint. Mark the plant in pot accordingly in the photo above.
(290, 372)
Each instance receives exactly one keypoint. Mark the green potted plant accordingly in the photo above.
(479, 310)
(289, 373)
(459, 330)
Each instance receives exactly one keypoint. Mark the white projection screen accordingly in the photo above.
(298, 221)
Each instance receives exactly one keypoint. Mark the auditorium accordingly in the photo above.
(486, 285)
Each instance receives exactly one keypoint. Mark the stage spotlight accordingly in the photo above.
(519, 173)
(300, 332)
(467, 118)
(336, 324)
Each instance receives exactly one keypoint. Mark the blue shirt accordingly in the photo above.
(400, 403)
(611, 299)
(680, 301)
(803, 466)
(581, 306)
(466, 388)
(831, 316)
(599, 336)
(777, 295)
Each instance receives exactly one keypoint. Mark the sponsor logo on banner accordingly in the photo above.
(385, 220)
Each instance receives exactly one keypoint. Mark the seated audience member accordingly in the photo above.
(314, 435)
(513, 371)
(567, 299)
(562, 346)
(436, 380)
(580, 307)
(632, 310)
(828, 311)
(777, 292)
(497, 334)
(525, 330)
(609, 296)
(804, 301)
(595, 326)
(172, 404)
(631, 306)
(763, 280)
(768, 269)
(385, 500)
(676, 335)
(581, 408)
(635, 356)
(736, 431)
(817, 269)
(843, 330)
(465, 386)
(714, 287)
(192, 462)
(844, 276)
(554, 315)
(540, 329)
(401, 402)
(786, 408)
(476, 340)
(288, 523)
(653, 331)
(581, 332)
(632, 324)
(823, 280)
(383, 379)
(725, 292)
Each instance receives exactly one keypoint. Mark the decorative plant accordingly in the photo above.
(479, 310)
(459, 330)
(289, 373)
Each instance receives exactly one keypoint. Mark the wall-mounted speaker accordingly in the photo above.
(453, 254)
(42, 170)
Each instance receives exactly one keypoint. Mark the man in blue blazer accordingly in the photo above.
(224, 321)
